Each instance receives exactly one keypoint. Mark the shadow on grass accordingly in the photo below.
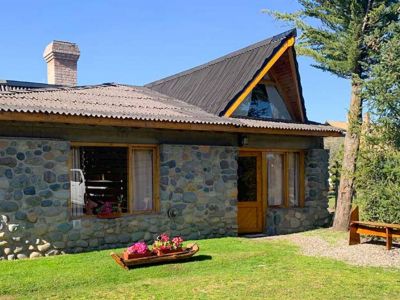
(188, 260)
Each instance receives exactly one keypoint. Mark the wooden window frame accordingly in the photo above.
(285, 203)
(302, 184)
(129, 148)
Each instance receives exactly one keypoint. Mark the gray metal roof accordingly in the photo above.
(107, 101)
(310, 126)
(117, 101)
(215, 85)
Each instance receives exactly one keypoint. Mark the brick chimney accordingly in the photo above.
(62, 59)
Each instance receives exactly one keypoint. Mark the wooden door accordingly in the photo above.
(250, 208)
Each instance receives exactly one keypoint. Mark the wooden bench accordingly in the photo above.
(384, 230)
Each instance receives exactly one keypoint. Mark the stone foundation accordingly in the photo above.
(197, 184)
(314, 213)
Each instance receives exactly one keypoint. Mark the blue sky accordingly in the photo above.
(136, 42)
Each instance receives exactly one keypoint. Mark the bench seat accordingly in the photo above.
(384, 230)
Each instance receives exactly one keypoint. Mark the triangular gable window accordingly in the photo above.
(264, 102)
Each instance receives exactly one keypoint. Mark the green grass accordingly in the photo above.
(227, 268)
(329, 235)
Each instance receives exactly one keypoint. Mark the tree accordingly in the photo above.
(382, 90)
(378, 166)
(343, 37)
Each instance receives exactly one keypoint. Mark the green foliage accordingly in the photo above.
(378, 184)
(335, 167)
(378, 175)
(382, 90)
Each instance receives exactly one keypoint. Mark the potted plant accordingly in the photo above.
(164, 245)
(137, 250)
(107, 211)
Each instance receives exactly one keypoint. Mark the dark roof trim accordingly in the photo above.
(285, 35)
(26, 84)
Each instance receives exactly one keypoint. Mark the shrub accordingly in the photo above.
(378, 183)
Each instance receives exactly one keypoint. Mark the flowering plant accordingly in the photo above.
(138, 248)
(177, 242)
(164, 243)
(106, 208)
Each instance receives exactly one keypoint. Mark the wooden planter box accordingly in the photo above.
(127, 255)
(184, 254)
(159, 252)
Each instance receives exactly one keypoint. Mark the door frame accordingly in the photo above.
(261, 189)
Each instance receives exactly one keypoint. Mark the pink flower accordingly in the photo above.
(106, 208)
(164, 237)
(138, 248)
(177, 241)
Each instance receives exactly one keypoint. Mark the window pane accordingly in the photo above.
(256, 105)
(78, 188)
(278, 106)
(98, 180)
(293, 170)
(264, 102)
(143, 180)
(275, 179)
(260, 107)
(247, 178)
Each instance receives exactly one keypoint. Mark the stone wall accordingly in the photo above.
(314, 213)
(197, 184)
(34, 191)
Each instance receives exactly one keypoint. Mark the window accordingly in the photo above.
(247, 178)
(113, 179)
(264, 102)
(293, 178)
(284, 175)
(275, 179)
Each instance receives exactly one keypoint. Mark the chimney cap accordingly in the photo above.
(66, 50)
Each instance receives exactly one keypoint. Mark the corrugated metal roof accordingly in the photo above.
(118, 101)
(249, 123)
(215, 85)
(107, 101)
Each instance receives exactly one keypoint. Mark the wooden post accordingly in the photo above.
(354, 237)
(389, 238)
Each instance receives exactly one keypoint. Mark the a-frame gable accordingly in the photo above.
(221, 85)
(283, 73)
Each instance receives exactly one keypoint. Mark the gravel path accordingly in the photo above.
(364, 254)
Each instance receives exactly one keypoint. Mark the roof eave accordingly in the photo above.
(119, 122)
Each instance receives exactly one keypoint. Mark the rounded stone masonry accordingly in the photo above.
(314, 214)
(198, 182)
(28, 204)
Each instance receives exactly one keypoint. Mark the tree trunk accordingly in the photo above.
(351, 145)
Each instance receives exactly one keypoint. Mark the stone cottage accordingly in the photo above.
(221, 149)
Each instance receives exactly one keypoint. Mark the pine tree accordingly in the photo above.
(343, 37)
(382, 91)
(378, 165)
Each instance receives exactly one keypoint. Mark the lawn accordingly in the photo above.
(230, 268)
